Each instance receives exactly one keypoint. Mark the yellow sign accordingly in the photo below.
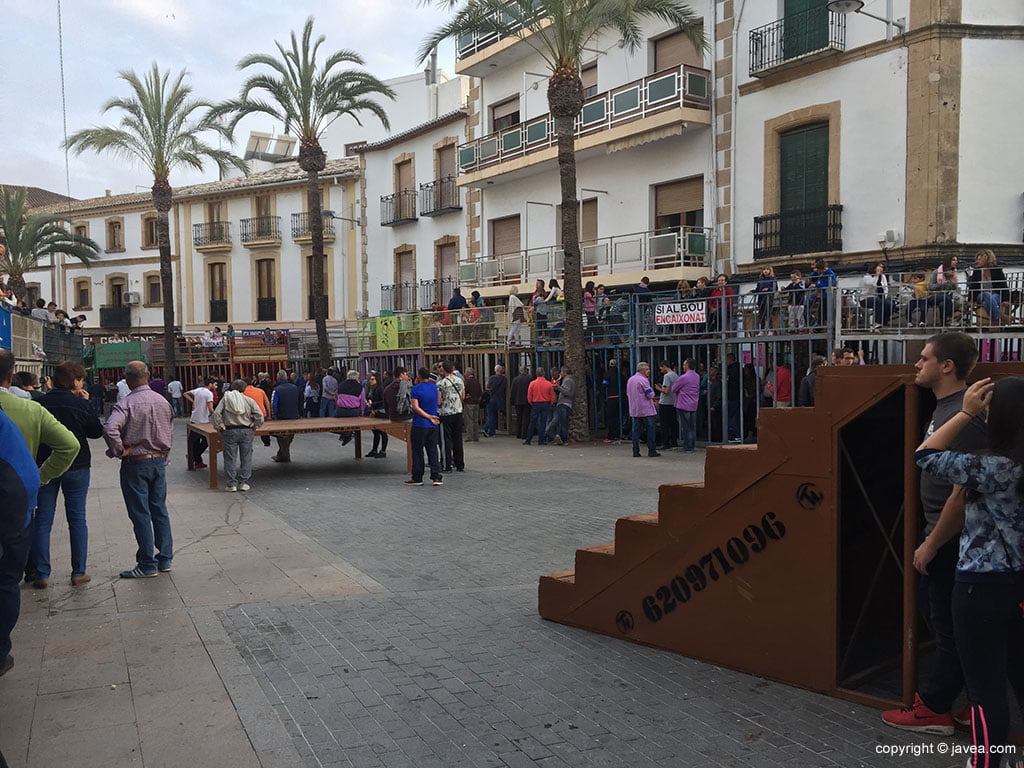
(387, 332)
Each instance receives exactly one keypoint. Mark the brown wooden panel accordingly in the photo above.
(505, 235)
(674, 50)
(678, 197)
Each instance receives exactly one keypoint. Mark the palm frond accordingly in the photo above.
(29, 238)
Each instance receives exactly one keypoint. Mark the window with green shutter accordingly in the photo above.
(803, 189)
(805, 27)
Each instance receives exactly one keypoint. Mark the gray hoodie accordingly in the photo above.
(566, 389)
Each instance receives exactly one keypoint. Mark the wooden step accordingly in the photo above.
(597, 565)
(555, 590)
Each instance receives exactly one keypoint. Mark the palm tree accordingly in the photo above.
(28, 237)
(559, 31)
(307, 96)
(161, 128)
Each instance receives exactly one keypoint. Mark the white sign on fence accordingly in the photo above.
(681, 313)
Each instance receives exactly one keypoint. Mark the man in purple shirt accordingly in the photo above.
(687, 391)
(140, 432)
(642, 409)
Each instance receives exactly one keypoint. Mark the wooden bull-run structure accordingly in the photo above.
(793, 559)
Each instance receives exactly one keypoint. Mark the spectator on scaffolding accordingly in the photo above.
(78, 323)
(794, 300)
(874, 295)
(40, 313)
(555, 309)
(988, 289)
(722, 305)
(457, 302)
(820, 284)
(944, 290)
(516, 318)
(765, 292)
(589, 312)
(539, 309)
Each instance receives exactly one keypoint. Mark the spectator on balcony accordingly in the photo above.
(765, 291)
(589, 312)
(874, 295)
(555, 311)
(457, 302)
(516, 317)
(794, 300)
(987, 288)
(722, 305)
(820, 285)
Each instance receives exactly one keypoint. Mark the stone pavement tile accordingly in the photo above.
(77, 712)
(90, 656)
(98, 747)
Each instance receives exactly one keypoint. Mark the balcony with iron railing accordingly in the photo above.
(398, 208)
(212, 236)
(681, 88)
(640, 251)
(266, 309)
(798, 38)
(116, 317)
(218, 310)
(799, 232)
(260, 230)
(302, 231)
(407, 297)
(440, 196)
(469, 44)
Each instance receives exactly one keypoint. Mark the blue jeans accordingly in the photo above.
(178, 405)
(687, 429)
(425, 438)
(326, 407)
(493, 407)
(13, 555)
(144, 487)
(945, 681)
(638, 422)
(558, 424)
(75, 485)
(991, 303)
(539, 415)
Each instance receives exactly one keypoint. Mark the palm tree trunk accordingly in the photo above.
(565, 97)
(316, 231)
(162, 195)
(17, 284)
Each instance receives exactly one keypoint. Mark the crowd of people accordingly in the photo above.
(45, 312)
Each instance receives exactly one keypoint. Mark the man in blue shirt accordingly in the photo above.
(424, 400)
(284, 407)
(457, 302)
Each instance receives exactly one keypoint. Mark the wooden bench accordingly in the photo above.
(399, 429)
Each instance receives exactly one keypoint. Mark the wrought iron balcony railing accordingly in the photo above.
(115, 317)
(398, 208)
(685, 247)
(211, 233)
(266, 309)
(811, 230)
(260, 228)
(440, 196)
(808, 34)
(301, 226)
(682, 86)
(218, 310)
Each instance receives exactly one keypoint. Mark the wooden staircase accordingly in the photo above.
(743, 570)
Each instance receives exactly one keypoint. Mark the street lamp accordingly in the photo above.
(330, 215)
(857, 6)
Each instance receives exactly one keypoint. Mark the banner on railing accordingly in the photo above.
(680, 313)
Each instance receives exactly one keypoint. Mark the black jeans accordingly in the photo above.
(522, 420)
(669, 425)
(425, 438)
(452, 426)
(13, 555)
(946, 678)
(990, 636)
(196, 445)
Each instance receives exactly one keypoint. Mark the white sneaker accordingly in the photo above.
(231, 489)
(243, 487)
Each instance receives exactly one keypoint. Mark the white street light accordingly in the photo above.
(857, 6)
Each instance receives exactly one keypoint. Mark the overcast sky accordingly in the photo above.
(206, 37)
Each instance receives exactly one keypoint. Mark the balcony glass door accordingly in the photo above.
(806, 27)
(803, 193)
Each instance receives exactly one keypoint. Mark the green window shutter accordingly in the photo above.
(805, 27)
(803, 189)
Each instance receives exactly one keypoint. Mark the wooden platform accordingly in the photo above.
(399, 429)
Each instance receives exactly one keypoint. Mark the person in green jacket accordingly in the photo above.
(39, 427)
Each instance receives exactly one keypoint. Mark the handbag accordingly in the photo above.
(485, 397)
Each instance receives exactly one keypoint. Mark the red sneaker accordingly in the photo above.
(200, 465)
(920, 719)
(963, 717)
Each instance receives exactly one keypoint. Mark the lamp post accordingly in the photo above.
(330, 215)
(857, 6)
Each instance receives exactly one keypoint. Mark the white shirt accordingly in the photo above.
(123, 390)
(201, 410)
(175, 388)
